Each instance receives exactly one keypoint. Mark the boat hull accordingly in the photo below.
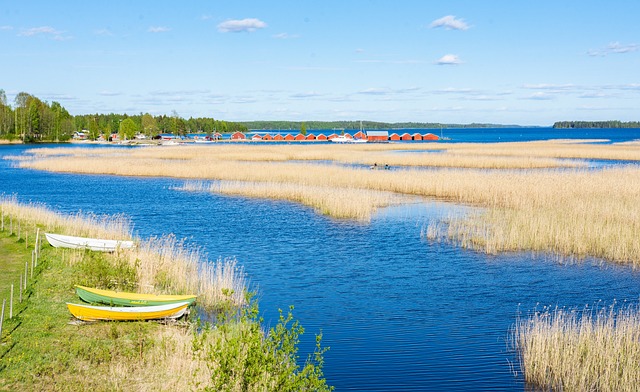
(100, 245)
(110, 297)
(93, 313)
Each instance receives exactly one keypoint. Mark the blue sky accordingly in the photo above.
(509, 62)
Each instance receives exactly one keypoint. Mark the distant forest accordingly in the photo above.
(31, 119)
(596, 124)
(352, 125)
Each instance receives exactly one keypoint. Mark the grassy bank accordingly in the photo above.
(588, 350)
(573, 212)
(41, 348)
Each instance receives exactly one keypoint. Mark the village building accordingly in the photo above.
(377, 136)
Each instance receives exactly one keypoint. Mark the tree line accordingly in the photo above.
(354, 125)
(30, 119)
(596, 124)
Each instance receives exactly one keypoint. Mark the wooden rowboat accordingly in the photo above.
(67, 241)
(110, 297)
(92, 313)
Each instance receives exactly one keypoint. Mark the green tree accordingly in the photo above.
(149, 125)
(127, 129)
(303, 129)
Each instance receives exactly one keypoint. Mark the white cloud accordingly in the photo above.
(109, 93)
(615, 48)
(449, 59)
(241, 25)
(43, 30)
(449, 22)
(5, 28)
(540, 96)
(158, 29)
(550, 87)
(286, 36)
(103, 32)
(310, 94)
(375, 91)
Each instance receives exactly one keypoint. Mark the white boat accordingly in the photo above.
(71, 242)
(344, 139)
(169, 143)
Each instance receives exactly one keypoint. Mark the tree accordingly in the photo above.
(303, 129)
(94, 130)
(127, 129)
(149, 125)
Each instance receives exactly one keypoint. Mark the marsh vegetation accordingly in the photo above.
(42, 350)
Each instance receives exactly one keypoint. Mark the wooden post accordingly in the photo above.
(20, 288)
(26, 272)
(4, 301)
(11, 303)
(37, 243)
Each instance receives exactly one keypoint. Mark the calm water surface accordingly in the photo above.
(399, 312)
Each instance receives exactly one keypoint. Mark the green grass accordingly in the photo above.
(44, 348)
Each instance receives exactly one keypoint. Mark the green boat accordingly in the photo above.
(111, 297)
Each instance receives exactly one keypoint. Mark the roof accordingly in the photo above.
(378, 133)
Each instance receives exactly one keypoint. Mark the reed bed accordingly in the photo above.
(351, 203)
(569, 211)
(488, 156)
(81, 224)
(588, 350)
(163, 265)
(168, 265)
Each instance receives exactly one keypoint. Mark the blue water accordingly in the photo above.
(517, 134)
(398, 312)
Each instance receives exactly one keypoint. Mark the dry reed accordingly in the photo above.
(163, 265)
(350, 203)
(589, 350)
(571, 212)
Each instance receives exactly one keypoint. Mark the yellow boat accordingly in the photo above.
(109, 297)
(92, 313)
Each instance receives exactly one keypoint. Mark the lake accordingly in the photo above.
(398, 312)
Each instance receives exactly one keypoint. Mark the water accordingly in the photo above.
(398, 312)
(516, 134)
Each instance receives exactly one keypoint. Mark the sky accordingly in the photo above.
(498, 61)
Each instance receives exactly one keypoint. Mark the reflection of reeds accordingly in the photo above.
(568, 211)
(592, 350)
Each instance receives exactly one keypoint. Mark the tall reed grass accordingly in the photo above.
(588, 350)
(352, 203)
(572, 212)
(163, 265)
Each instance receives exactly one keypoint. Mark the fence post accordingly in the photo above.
(4, 301)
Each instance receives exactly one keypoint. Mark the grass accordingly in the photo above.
(41, 350)
(569, 211)
(588, 350)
